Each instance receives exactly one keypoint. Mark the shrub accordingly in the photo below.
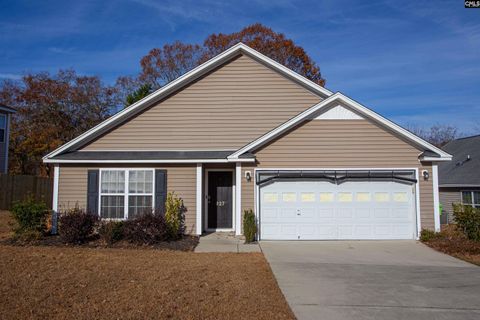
(146, 228)
(111, 231)
(174, 215)
(249, 226)
(76, 226)
(427, 235)
(468, 220)
(31, 217)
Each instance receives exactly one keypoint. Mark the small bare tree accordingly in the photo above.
(438, 135)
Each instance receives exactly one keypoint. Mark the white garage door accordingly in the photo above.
(319, 210)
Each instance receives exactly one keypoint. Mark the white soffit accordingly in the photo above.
(339, 113)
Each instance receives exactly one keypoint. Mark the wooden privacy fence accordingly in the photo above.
(17, 188)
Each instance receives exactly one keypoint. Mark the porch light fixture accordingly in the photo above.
(248, 176)
(425, 174)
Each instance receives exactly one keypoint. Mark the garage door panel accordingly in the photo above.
(326, 213)
(310, 210)
(363, 213)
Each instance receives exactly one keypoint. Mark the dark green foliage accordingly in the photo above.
(31, 217)
(147, 228)
(249, 226)
(111, 231)
(467, 219)
(76, 226)
(427, 235)
(138, 94)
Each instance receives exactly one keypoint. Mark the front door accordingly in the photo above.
(219, 200)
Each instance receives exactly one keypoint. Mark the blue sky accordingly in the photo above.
(417, 62)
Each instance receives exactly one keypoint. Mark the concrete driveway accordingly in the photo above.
(373, 280)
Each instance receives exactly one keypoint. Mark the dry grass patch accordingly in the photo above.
(455, 243)
(40, 282)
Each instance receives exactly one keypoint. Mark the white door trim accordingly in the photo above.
(205, 227)
(238, 199)
(256, 195)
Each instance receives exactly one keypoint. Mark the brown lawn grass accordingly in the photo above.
(40, 282)
(454, 243)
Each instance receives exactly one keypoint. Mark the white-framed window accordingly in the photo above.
(3, 127)
(125, 193)
(471, 198)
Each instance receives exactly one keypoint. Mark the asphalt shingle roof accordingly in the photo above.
(147, 155)
(464, 169)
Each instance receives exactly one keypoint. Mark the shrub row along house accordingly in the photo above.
(243, 132)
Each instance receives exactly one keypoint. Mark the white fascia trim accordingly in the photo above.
(459, 185)
(150, 161)
(353, 104)
(436, 198)
(436, 159)
(192, 74)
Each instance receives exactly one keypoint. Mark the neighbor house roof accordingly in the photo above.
(464, 170)
(7, 109)
(147, 156)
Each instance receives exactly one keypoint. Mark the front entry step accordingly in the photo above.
(224, 242)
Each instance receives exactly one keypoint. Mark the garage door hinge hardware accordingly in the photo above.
(337, 176)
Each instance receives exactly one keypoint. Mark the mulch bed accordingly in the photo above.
(86, 282)
(453, 242)
(187, 243)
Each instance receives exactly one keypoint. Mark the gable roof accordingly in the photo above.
(183, 81)
(339, 97)
(464, 170)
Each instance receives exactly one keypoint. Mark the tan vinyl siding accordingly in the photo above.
(449, 196)
(226, 109)
(426, 198)
(248, 190)
(72, 187)
(346, 144)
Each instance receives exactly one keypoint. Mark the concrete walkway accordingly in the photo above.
(224, 242)
(373, 280)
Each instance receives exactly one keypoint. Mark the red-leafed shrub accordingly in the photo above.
(76, 226)
(146, 228)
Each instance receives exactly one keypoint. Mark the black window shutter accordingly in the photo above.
(92, 191)
(160, 190)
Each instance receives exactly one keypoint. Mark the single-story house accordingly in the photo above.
(459, 179)
(242, 132)
(5, 115)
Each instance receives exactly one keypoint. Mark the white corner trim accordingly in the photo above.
(238, 199)
(56, 177)
(436, 198)
(338, 113)
(192, 75)
(199, 196)
(354, 105)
